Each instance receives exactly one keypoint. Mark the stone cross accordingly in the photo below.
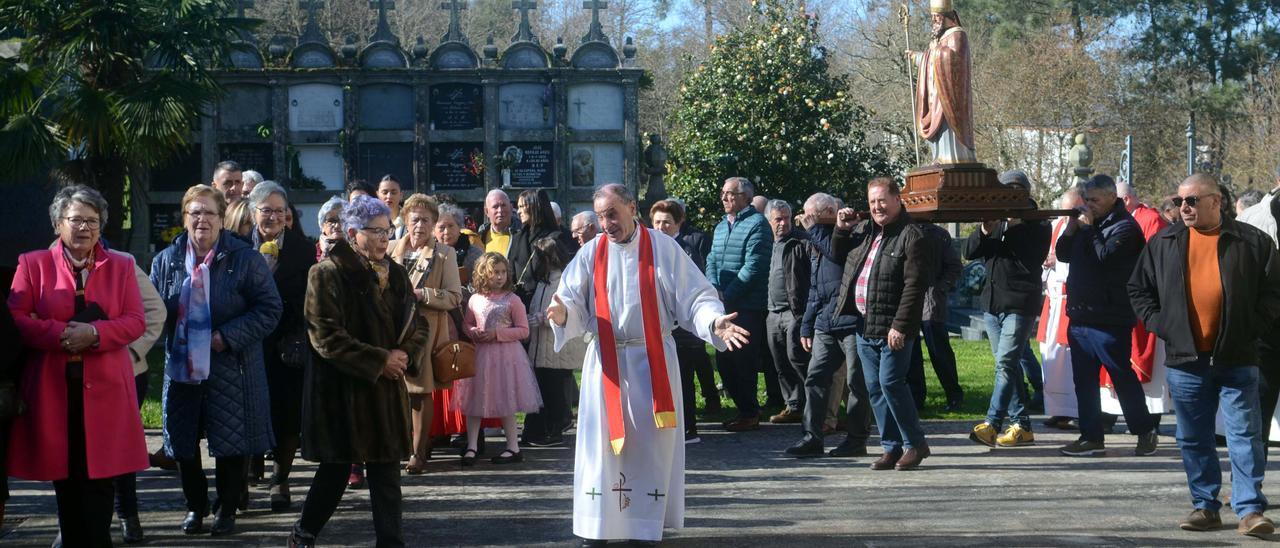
(242, 5)
(312, 32)
(525, 33)
(383, 33)
(454, 33)
(596, 32)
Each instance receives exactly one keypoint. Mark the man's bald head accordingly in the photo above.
(1127, 193)
(1070, 199)
(1199, 201)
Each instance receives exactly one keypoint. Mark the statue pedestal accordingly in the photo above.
(965, 193)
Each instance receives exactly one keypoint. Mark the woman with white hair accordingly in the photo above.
(330, 220)
(286, 351)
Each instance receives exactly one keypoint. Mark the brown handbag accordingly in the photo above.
(454, 359)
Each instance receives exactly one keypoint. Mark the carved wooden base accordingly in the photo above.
(965, 192)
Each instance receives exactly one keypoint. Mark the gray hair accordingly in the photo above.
(227, 165)
(744, 186)
(588, 217)
(264, 189)
(614, 189)
(334, 203)
(1250, 198)
(497, 192)
(251, 175)
(361, 210)
(777, 205)
(555, 208)
(822, 201)
(1126, 189)
(459, 216)
(80, 194)
(1100, 181)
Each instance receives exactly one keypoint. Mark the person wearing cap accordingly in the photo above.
(1102, 246)
(1013, 251)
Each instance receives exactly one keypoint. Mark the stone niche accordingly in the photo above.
(246, 106)
(595, 106)
(456, 106)
(323, 163)
(595, 164)
(373, 160)
(525, 106)
(315, 107)
(386, 106)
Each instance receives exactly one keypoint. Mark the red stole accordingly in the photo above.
(1041, 331)
(664, 411)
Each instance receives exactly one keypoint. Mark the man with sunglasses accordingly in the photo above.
(1102, 246)
(1208, 287)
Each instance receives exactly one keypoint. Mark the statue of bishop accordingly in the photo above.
(944, 103)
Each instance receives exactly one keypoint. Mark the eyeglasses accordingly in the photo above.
(199, 213)
(729, 194)
(1191, 201)
(81, 222)
(377, 232)
(332, 222)
(268, 212)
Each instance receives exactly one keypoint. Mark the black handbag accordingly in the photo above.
(294, 348)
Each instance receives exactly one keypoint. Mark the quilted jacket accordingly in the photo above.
(231, 408)
(738, 265)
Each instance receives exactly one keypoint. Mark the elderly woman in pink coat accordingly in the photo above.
(77, 307)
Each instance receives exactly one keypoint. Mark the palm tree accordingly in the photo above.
(102, 88)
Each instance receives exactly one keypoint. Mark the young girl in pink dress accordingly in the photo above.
(504, 383)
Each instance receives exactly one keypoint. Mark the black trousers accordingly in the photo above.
(229, 480)
(84, 505)
(127, 485)
(330, 483)
(739, 369)
(550, 421)
(694, 359)
(688, 357)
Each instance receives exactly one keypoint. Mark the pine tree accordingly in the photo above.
(765, 105)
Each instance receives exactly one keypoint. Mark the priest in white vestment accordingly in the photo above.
(628, 481)
(1055, 354)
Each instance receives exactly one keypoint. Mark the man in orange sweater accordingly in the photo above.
(1208, 287)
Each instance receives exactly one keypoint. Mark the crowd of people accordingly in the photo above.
(276, 343)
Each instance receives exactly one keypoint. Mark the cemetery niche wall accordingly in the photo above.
(449, 118)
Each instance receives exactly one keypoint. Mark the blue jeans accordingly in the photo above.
(1031, 368)
(885, 371)
(1110, 346)
(1008, 334)
(1197, 390)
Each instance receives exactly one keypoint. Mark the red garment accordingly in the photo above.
(446, 421)
(44, 286)
(1142, 353)
(1063, 321)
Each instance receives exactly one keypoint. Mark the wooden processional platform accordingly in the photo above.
(958, 193)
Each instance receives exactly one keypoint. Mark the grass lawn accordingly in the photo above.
(973, 363)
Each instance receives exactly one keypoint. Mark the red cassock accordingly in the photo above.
(1142, 354)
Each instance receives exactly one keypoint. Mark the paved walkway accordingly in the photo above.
(744, 492)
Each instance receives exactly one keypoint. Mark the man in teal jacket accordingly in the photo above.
(738, 267)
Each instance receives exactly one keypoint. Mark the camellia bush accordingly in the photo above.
(766, 106)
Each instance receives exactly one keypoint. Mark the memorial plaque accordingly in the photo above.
(259, 157)
(386, 106)
(595, 164)
(525, 106)
(181, 171)
(533, 164)
(245, 107)
(166, 224)
(315, 107)
(595, 106)
(313, 58)
(373, 160)
(454, 166)
(322, 163)
(457, 106)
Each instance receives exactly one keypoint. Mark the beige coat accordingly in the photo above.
(542, 342)
(442, 292)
